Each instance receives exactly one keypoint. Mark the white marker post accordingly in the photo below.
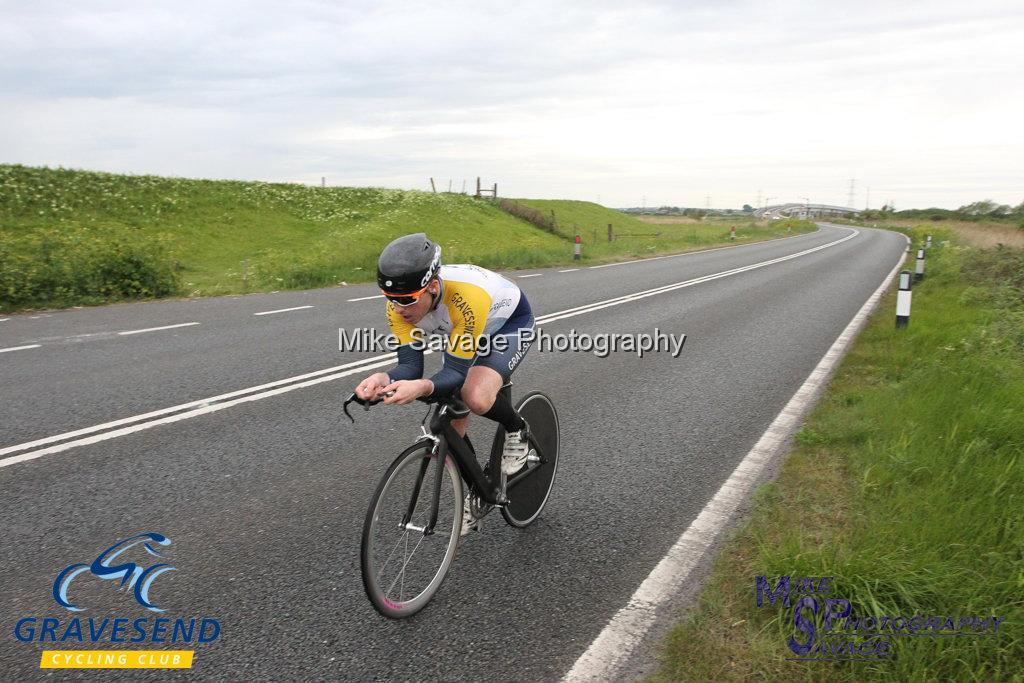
(576, 249)
(903, 300)
(919, 272)
(928, 242)
(732, 233)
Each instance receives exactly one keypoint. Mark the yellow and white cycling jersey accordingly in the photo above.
(474, 301)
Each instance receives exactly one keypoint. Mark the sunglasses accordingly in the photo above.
(404, 300)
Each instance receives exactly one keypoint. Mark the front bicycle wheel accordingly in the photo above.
(402, 565)
(529, 489)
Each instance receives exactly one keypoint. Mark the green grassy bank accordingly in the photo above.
(906, 485)
(653, 234)
(75, 237)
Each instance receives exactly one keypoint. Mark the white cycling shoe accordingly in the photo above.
(517, 446)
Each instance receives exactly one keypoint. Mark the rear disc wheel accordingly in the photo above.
(528, 495)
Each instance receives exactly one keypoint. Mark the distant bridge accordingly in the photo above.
(805, 211)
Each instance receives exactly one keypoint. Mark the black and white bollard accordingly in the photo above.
(903, 300)
(919, 272)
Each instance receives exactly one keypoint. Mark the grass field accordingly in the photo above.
(906, 485)
(75, 237)
(982, 234)
(652, 234)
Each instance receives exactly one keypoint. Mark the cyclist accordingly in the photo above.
(484, 317)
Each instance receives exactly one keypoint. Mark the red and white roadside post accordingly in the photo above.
(576, 248)
(732, 233)
(903, 300)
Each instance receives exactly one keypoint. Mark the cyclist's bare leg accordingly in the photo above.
(481, 388)
(478, 393)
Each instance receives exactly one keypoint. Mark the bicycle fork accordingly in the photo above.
(438, 455)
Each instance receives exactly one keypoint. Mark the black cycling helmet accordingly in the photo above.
(408, 264)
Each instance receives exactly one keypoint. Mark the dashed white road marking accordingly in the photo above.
(154, 329)
(366, 298)
(3, 320)
(568, 270)
(283, 310)
(530, 275)
(611, 650)
(638, 260)
(20, 348)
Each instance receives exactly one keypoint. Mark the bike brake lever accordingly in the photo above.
(364, 403)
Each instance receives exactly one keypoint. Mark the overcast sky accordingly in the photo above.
(656, 103)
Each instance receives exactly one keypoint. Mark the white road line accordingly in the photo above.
(154, 329)
(366, 298)
(626, 263)
(611, 649)
(568, 270)
(204, 406)
(390, 357)
(705, 251)
(184, 416)
(530, 275)
(283, 310)
(19, 348)
(579, 310)
(3, 320)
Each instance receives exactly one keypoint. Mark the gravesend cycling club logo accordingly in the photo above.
(135, 577)
(132, 566)
(828, 629)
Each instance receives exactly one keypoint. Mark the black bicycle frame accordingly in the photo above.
(449, 441)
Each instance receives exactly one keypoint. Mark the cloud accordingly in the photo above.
(664, 99)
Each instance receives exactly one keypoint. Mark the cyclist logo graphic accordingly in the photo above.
(131, 575)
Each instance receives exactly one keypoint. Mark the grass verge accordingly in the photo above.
(653, 234)
(72, 237)
(906, 485)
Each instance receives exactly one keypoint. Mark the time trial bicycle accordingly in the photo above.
(412, 528)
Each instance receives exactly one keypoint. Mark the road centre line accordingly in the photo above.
(705, 251)
(689, 283)
(568, 270)
(611, 650)
(203, 406)
(366, 298)
(530, 275)
(184, 416)
(21, 348)
(186, 406)
(283, 310)
(154, 329)
(625, 263)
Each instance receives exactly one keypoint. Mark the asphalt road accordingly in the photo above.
(264, 500)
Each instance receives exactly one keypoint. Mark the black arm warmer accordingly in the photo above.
(410, 364)
(451, 376)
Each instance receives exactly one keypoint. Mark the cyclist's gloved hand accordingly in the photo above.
(371, 387)
(407, 390)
